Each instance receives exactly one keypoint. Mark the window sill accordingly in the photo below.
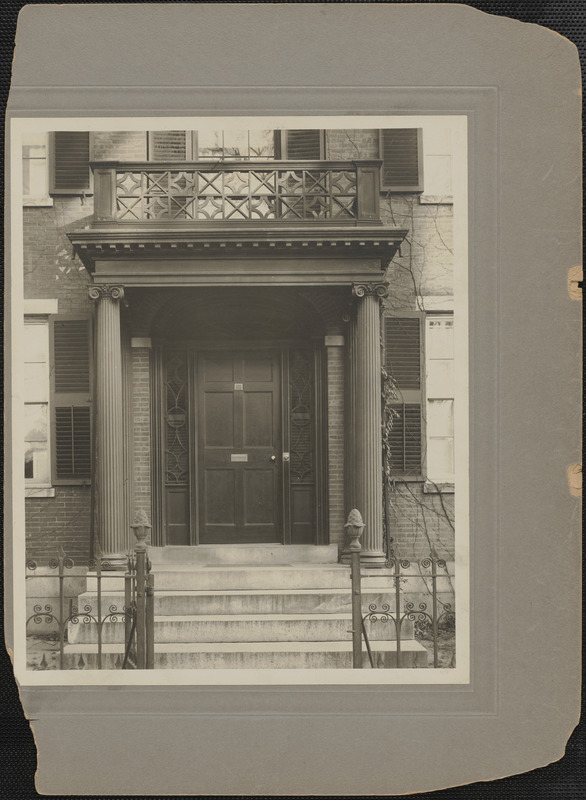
(436, 199)
(429, 487)
(39, 491)
(38, 202)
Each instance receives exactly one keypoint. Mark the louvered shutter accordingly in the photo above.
(403, 361)
(71, 390)
(303, 145)
(402, 156)
(168, 146)
(70, 173)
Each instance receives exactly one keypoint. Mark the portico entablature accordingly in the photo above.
(212, 257)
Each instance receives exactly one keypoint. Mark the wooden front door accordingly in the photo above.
(239, 455)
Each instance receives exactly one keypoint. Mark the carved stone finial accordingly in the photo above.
(355, 526)
(379, 290)
(141, 518)
(141, 528)
(99, 291)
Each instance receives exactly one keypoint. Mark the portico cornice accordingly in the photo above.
(119, 242)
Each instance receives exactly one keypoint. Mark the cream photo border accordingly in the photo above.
(458, 124)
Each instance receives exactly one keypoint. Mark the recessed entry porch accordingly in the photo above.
(240, 426)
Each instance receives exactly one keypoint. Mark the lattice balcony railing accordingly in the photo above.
(204, 192)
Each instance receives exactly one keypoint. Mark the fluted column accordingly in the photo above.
(351, 416)
(368, 435)
(110, 435)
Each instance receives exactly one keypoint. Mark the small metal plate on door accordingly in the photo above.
(238, 387)
(239, 457)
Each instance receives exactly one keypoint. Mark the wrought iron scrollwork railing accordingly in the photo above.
(62, 615)
(205, 191)
(430, 622)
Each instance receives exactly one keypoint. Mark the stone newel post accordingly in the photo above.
(110, 440)
(368, 434)
(355, 528)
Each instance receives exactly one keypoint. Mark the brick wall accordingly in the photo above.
(347, 145)
(119, 146)
(335, 379)
(50, 269)
(419, 520)
(141, 430)
(425, 263)
(60, 520)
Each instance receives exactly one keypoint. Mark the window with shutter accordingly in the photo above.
(211, 145)
(71, 388)
(401, 150)
(70, 172)
(170, 145)
(403, 362)
(301, 145)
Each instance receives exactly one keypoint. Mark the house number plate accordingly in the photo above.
(239, 457)
(238, 387)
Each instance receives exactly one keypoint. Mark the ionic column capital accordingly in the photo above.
(113, 292)
(379, 290)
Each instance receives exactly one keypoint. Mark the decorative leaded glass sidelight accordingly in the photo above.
(176, 439)
(301, 380)
(176, 447)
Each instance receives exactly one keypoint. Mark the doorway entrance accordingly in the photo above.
(239, 446)
(239, 419)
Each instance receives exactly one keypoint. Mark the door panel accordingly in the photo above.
(258, 419)
(177, 500)
(259, 491)
(239, 447)
(218, 430)
(220, 501)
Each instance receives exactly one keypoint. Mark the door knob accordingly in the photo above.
(273, 458)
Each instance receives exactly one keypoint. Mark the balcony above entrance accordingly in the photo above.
(193, 209)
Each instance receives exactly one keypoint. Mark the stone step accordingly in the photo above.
(251, 601)
(305, 576)
(266, 554)
(291, 576)
(265, 655)
(234, 628)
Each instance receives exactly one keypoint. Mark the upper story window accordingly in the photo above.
(70, 163)
(53, 164)
(401, 150)
(35, 169)
(211, 145)
(244, 145)
(304, 145)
